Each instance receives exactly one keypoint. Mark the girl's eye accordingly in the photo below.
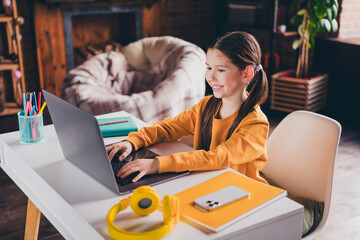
(221, 70)
(208, 68)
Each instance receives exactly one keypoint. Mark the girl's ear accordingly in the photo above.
(248, 74)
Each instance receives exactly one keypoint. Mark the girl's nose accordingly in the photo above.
(210, 76)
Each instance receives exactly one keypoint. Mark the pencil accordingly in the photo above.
(121, 121)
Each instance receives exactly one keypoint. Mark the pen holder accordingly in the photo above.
(31, 128)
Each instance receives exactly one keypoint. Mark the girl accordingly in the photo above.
(229, 128)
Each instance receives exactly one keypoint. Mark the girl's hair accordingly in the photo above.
(243, 50)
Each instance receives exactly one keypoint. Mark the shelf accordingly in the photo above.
(12, 66)
(10, 109)
(288, 34)
(5, 18)
(12, 33)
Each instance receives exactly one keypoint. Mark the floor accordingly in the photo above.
(343, 222)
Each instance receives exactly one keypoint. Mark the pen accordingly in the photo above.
(28, 124)
(26, 112)
(121, 121)
(32, 126)
(24, 100)
(42, 108)
(34, 101)
(39, 101)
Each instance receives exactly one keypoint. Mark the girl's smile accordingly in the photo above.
(216, 87)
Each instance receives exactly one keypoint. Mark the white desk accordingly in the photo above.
(77, 205)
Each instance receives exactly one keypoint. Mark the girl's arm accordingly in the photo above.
(246, 145)
(170, 129)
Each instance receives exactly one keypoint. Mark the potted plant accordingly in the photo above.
(302, 89)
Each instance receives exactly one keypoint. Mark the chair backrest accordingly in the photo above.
(301, 155)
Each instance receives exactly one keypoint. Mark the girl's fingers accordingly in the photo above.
(124, 154)
(127, 169)
(109, 148)
(112, 153)
(140, 175)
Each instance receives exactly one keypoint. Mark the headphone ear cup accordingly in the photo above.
(144, 200)
(171, 210)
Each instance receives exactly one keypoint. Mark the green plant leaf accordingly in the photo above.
(320, 9)
(301, 12)
(334, 10)
(300, 30)
(335, 2)
(314, 19)
(314, 29)
(325, 25)
(309, 45)
(296, 44)
(329, 14)
(334, 25)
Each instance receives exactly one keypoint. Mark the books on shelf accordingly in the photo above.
(261, 195)
(118, 126)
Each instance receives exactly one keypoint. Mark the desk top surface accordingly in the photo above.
(77, 205)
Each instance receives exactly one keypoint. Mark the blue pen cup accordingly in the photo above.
(31, 128)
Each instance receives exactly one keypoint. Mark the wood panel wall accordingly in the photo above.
(50, 40)
(50, 43)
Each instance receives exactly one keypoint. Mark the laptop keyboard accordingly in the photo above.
(117, 165)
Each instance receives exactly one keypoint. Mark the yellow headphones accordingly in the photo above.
(144, 201)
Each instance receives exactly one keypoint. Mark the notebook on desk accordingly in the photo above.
(82, 144)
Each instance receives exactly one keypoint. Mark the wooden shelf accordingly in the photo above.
(10, 109)
(12, 66)
(4, 18)
(12, 32)
(288, 34)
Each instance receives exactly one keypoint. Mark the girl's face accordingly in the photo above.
(223, 76)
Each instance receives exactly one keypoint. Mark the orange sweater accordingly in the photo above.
(244, 151)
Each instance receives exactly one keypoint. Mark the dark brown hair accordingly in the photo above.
(243, 50)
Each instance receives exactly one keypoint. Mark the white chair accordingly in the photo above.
(301, 155)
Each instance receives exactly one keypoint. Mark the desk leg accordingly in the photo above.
(33, 215)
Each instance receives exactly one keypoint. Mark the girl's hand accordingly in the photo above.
(144, 166)
(124, 147)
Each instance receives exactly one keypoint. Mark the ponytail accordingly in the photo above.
(206, 124)
(258, 93)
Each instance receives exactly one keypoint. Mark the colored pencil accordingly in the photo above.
(121, 121)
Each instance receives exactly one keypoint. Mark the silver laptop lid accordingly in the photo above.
(81, 140)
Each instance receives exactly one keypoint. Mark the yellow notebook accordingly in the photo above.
(260, 195)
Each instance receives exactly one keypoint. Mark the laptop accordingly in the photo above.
(82, 144)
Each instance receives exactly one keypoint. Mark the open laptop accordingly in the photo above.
(82, 144)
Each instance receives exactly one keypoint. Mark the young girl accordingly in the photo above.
(229, 128)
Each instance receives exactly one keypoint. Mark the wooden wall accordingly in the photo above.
(194, 21)
(50, 39)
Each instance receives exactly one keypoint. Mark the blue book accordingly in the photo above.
(117, 129)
